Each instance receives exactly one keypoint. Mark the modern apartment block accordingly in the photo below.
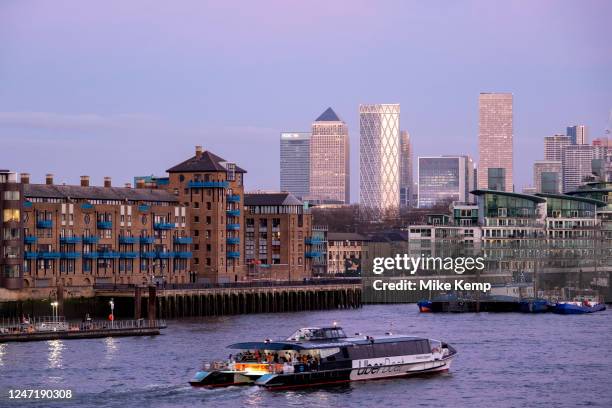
(548, 176)
(578, 134)
(406, 165)
(445, 179)
(379, 127)
(295, 163)
(577, 165)
(495, 141)
(329, 159)
(278, 237)
(554, 145)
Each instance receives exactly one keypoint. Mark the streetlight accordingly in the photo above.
(54, 309)
(112, 316)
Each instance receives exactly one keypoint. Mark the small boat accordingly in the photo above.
(583, 306)
(425, 306)
(318, 356)
(535, 306)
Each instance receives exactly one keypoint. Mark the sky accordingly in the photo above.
(116, 88)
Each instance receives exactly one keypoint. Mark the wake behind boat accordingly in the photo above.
(316, 356)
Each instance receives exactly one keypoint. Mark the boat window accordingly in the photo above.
(328, 352)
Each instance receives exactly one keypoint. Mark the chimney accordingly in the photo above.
(25, 178)
(49, 179)
(84, 181)
(107, 182)
(128, 185)
(198, 151)
(140, 183)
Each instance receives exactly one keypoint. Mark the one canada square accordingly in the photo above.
(379, 127)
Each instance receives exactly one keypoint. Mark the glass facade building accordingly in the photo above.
(548, 176)
(295, 163)
(445, 178)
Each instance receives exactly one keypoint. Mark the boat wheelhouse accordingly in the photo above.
(316, 356)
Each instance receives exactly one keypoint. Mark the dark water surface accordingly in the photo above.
(505, 360)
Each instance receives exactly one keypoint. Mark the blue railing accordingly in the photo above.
(233, 227)
(143, 208)
(71, 255)
(30, 239)
(87, 206)
(164, 225)
(91, 239)
(233, 198)
(183, 240)
(105, 224)
(108, 255)
(44, 224)
(233, 213)
(70, 240)
(233, 254)
(165, 255)
(49, 255)
(233, 241)
(30, 255)
(183, 254)
(127, 240)
(313, 254)
(148, 254)
(90, 255)
(313, 241)
(128, 255)
(147, 240)
(208, 184)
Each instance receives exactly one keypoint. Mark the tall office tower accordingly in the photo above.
(577, 164)
(554, 145)
(379, 126)
(295, 163)
(578, 134)
(444, 179)
(329, 159)
(406, 183)
(548, 176)
(495, 141)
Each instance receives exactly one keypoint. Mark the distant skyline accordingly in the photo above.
(123, 89)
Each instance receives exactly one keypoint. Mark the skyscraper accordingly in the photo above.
(577, 164)
(548, 176)
(406, 186)
(379, 126)
(295, 163)
(329, 159)
(445, 178)
(495, 138)
(578, 134)
(554, 145)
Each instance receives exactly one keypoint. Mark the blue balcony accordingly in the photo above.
(233, 227)
(183, 255)
(313, 254)
(127, 240)
(313, 241)
(147, 240)
(108, 255)
(233, 213)
(87, 206)
(90, 255)
(208, 184)
(30, 239)
(27, 204)
(165, 255)
(183, 240)
(233, 241)
(44, 224)
(128, 255)
(164, 225)
(70, 240)
(105, 225)
(233, 254)
(70, 255)
(49, 255)
(233, 198)
(143, 208)
(148, 254)
(91, 239)
(30, 255)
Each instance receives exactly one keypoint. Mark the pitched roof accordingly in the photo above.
(255, 199)
(328, 116)
(206, 162)
(97, 193)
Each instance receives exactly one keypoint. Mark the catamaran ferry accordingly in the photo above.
(317, 356)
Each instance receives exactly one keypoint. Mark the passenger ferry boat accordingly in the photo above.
(317, 356)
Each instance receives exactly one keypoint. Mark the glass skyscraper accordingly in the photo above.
(295, 163)
(445, 179)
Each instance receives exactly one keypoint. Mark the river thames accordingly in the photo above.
(504, 360)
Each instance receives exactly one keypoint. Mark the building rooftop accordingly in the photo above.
(389, 236)
(97, 193)
(202, 161)
(256, 199)
(573, 198)
(328, 116)
(509, 194)
(345, 236)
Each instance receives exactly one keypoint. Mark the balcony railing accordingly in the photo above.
(70, 240)
(127, 240)
(233, 227)
(233, 213)
(233, 254)
(91, 239)
(233, 240)
(108, 255)
(44, 224)
(233, 198)
(313, 241)
(105, 225)
(313, 254)
(30, 239)
(147, 240)
(148, 254)
(165, 255)
(183, 240)
(90, 255)
(70, 255)
(164, 225)
(183, 255)
(208, 184)
(49, 255)
(30, 255)
(128, 255)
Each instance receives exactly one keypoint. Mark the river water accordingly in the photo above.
(505, 360)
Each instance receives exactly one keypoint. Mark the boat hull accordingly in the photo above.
(534, 306)
(569, 308)
(221, 379)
